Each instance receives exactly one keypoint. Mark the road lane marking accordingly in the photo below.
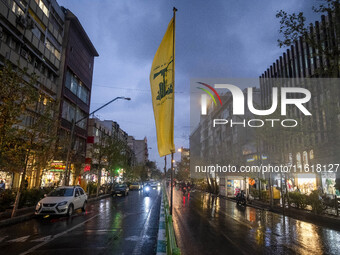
(19, 240)
(138, 247)
(42, 239)
(3, 238)
(58, 235)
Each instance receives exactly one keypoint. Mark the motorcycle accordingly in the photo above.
(240, 199)
(147, 190)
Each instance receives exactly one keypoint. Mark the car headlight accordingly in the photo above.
(147, 189)
(62, 203)
(38, 206)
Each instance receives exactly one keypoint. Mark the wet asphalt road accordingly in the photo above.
(208, 225)
(119, 225)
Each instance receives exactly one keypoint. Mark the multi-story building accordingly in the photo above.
(224, 144)
(311, 56)
(48, 40)
(31, 34)
(75, 91)
(122, 137)
(139, 149)
(99, 131)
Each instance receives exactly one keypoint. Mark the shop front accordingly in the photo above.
(328, 182)
(234, 185)
(305, 183)
(52, 178)
(7, 178)
(54, 175)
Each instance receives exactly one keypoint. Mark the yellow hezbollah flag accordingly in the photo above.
(162, 91)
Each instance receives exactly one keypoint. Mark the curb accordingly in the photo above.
(161, 240)
(12, 221)
(28, 216)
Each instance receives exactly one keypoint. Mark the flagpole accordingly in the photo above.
(171, 181)
(173, 85)
(165, 167)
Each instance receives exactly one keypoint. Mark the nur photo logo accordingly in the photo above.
(239, 102)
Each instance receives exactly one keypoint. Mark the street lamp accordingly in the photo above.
(72, 133)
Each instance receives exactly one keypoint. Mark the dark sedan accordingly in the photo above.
(121, 189)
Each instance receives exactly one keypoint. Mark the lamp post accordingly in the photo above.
(74, 123)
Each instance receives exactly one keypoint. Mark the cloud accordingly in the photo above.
(213, 39)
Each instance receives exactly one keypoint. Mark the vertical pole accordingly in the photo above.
(173, 80)
(165, 167)
(66, 178)
(171, 186)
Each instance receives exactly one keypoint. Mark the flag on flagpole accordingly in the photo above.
(162, 91)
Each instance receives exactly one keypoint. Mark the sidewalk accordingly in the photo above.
(298, 214)
(27, 213)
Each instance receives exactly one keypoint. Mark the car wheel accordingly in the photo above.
(70, 210)
(84, 206)
(127, 193)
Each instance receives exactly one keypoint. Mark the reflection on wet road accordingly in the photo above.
(119, 225)
(217, 226)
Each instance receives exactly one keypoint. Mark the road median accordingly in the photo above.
(166, 235)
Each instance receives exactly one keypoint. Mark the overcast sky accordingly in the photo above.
(226, 38)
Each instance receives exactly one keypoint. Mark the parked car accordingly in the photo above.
(135, 185)
(62, 201)
(121, 189)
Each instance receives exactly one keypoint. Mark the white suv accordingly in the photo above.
(62, 200)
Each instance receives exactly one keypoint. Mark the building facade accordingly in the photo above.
(312, 56)
(224, 144)
(75, 91)
(31, 34)
(49, 41)
(140, 150)
(99, 131)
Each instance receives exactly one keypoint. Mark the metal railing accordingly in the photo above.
(171, 245)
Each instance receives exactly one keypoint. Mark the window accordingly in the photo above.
(77, 87)
(17, 9)
(43, 7)
(68, 112)
(83, 93)
(56, 24)
(36, 32)
(39, 27)
(81, 191)
(81, 115)
(51, 47)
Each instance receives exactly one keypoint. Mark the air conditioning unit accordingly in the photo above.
(30, 22)
(21, 21)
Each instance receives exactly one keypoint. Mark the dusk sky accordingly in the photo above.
(213, 39)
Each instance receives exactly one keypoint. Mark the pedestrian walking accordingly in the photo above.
(2, 185)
